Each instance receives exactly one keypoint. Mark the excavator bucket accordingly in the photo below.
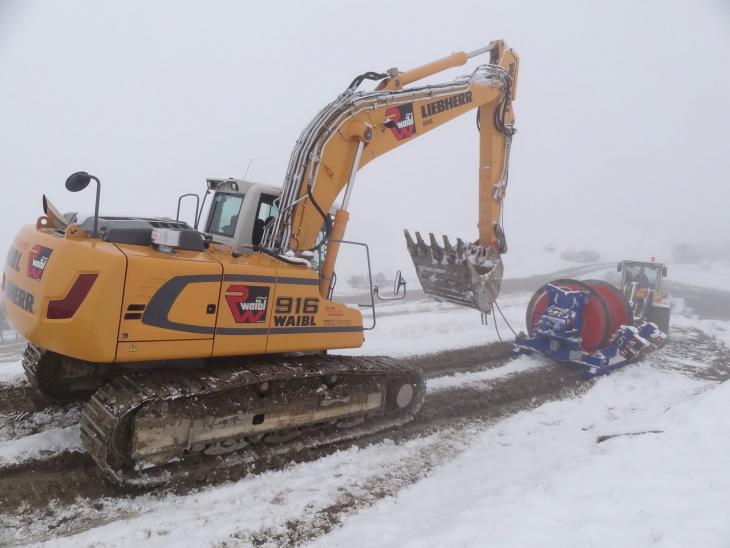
(465, 274)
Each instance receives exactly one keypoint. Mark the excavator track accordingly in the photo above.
(60, 378)
(31, 359)
(140, 427)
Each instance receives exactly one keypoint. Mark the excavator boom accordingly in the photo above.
(358, 127)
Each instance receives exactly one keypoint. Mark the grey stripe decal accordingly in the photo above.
(286, 330)
(298, 281)
(242, 331)
(161, 302)
(269, 279)
(291, 330)
(249, 278)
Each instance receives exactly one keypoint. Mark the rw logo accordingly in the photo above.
(248, 303)
(401, 121)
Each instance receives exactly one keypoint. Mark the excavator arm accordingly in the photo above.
(358, 127)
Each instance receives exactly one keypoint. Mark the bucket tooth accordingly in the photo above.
(423, 249)
(438, 253)
(449, 251)
(466, 274)
(459, 249)
(447, 243)
(409, 242)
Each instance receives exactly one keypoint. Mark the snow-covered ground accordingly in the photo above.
(11, 372)
(714, 274)
(40, 444)
(639, 459)
(636, 459)
(420, 327)
(541, 478)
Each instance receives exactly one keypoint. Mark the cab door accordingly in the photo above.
(245, 304)
(168, 298)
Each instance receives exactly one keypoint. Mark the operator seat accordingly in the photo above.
(258, 231)
(230, 229)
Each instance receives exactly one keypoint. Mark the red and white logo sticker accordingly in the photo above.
(248, 304)
(37, 261)
(401, 121)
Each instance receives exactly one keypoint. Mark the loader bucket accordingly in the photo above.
(465, 274)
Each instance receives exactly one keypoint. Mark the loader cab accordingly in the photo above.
(646, 275)
(240, 211)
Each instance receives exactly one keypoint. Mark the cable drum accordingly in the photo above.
(597, 320)
(619, 309)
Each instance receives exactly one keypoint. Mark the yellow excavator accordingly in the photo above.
(187, 343)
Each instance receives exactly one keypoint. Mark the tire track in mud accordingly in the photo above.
(27, 489)
(451, 416)
(697, 354)
(31, 485)
(692, 352)
(445, 414)
(24, 412)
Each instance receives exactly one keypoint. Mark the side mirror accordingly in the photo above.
(619, 267)
(398, 283)
(197, 206)
(664, 271)
(78, 181)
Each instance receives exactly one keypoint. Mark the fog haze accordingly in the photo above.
(622, 113)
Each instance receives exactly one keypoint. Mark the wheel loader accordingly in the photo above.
(641, 283)
(191, 341)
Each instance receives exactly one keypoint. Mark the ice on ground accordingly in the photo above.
(437, 327)
(520, 364)
(11, 372)
(715, 274)
(540, 478)
(37, 445)
(684, 318)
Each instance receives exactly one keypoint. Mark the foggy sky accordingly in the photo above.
(622, 112)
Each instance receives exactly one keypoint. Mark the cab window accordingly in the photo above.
(224, 213)
(265, 215)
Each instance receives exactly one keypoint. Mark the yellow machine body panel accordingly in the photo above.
(303, 320)
(167, 297)
(149, 305)
(267, 306)
(65, 294)
(244, 306)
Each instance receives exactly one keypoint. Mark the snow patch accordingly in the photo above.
(42, 444)
(540, 478)
(11, 372)
(518, 365)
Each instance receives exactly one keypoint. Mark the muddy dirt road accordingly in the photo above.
(57, 490)
(32, 490)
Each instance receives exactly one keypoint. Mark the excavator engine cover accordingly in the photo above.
(467, 274)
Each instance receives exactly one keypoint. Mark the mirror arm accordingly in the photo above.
(96, 206)
(397, 285)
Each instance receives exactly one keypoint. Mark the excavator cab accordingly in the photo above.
(240, 212)
(641, 283)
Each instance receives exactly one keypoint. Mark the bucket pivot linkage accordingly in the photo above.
(465, 274)
(587, 323)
